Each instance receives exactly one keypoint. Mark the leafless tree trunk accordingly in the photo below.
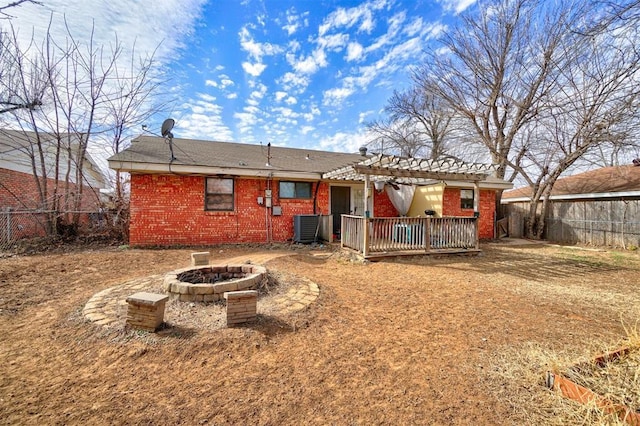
(596, 109)
(86, 93)
(540, 84)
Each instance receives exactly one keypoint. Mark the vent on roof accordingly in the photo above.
(636, 162)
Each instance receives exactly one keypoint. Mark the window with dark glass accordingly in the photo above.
(466, 198)
(218, 194)
(295, 189)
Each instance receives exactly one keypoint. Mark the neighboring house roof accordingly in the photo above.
(606, 182)
(149, 154)
(17, 148)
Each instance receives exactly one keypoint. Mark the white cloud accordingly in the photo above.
(232, 96)
(260, 91)
(295, 21)
(225, 81)
(286, 112)
(354, 51)
(310, 64)
(402, 51)
(334, 42)
(347, 18)
(280, 95)
(306, 129)
(414, 27)
(390, 37)
(253, 69)
(291, 100)
(255, 49)
(336, 96)
(344, 141)
(171, 21)
(457, 6)
(363, 115)
(201, 118)
(293, 46)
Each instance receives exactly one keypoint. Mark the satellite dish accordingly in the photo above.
(167, 126)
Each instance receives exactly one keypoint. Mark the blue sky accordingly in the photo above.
(294, 73)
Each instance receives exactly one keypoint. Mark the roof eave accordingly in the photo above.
(163, 168)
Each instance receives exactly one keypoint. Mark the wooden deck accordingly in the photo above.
(402, 236)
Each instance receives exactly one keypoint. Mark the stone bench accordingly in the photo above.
(241, 306)
(145, 311)
(200, 258)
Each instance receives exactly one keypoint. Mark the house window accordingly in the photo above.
(295, 189)
(466, 198)
(218, 194)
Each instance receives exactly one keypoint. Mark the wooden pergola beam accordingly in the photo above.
(420, 174)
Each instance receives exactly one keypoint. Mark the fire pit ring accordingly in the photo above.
(209, 283)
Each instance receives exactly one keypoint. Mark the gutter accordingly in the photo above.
(132, 167)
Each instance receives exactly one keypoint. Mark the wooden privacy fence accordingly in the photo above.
(408, 235)
(598, 222)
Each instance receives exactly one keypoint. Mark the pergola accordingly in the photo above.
(413, 171)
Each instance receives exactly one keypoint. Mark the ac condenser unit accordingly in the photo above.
(305, 227)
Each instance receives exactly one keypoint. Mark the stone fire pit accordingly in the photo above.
(209, 283)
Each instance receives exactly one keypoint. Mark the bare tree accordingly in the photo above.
(497, 71)
(595, 111)
(4, 8)
(541, 85)
(398, 137)
(10, 101)
(86, 93)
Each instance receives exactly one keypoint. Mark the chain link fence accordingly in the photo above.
(16, 225)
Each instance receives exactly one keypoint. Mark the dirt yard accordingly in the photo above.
(455, 340)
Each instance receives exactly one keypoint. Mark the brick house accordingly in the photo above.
(222, 192)
(21, 187)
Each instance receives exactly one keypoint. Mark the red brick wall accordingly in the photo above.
(487, 206)
(22, 185)
(382, 206)
(19, 192)
(169, 210)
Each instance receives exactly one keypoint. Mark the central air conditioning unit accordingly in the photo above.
(305, 227)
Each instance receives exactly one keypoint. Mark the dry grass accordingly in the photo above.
(618, 380)
(520, 378)
(456, 340)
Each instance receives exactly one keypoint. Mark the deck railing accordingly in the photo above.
(406, 234)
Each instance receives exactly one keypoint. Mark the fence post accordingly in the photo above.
(477, 228)
(427, 234)
(8, 221)
(365, 248)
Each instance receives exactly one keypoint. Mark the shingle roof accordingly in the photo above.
(604, 180)
(199, 153)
